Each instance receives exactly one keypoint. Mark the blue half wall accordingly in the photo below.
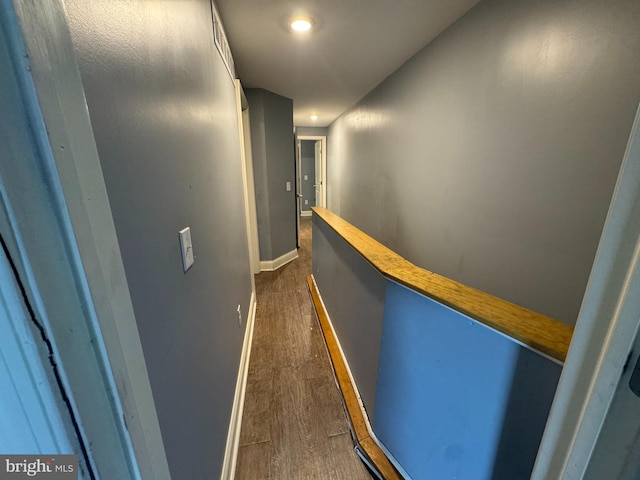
(456, 399)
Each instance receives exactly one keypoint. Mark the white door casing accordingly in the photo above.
(61, 237)
(319, 185)
(320, 167)
(244, 128)
(594, 377)
(32, 406)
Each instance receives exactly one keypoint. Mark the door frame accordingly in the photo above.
(602, 342)
(298, 170)
(323, 164)
(246, 157)
(62, 238)
(32, 402)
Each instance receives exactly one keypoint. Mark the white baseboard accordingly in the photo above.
(271, 265)
(235, 424)
(306, 213)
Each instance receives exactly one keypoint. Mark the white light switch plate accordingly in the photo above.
(186, 248)
(288, 186)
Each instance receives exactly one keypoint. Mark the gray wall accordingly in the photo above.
(272, 145)
(353, 293)
(490, 157)
(308, 168)
(163, 111)
(312, 131)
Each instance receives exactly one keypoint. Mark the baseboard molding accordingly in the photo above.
(272, 265)
(367, 445)
(306, 213)
(235, 424)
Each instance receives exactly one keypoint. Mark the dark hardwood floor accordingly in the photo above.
(294, 426)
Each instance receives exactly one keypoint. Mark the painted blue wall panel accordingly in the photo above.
(456, 399)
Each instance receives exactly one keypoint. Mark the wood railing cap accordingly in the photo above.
(538, 331)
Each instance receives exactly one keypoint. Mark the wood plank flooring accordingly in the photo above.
(294, 426)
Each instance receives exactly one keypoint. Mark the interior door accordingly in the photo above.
(616, 453)
(33, 416)
(318, 183)
(593, 430)
(298, 193)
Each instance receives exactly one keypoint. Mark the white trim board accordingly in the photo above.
(272, 265)
(306, 213)
(33, 415)
(323, 160)
(235, 425)
(602, 342)
(244, 131)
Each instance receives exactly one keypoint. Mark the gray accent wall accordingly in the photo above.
(162, 106)
(312, 131)
(273, 152)
(490, 157)
(353, 292)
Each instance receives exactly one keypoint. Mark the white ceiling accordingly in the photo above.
(354, 45)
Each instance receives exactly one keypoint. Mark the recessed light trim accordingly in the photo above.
(301, 24)
(313, 117)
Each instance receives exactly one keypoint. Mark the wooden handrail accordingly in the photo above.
(538, 331)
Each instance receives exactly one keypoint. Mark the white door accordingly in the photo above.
(593, 431)
(298, 153)
(34, 418)
(320, 155)
(63, 255)
(319, 179)
(617, 451)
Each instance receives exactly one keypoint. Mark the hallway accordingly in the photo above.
(294, 426)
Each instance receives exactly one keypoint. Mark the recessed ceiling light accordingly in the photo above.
(301, 24)
(314, 117)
